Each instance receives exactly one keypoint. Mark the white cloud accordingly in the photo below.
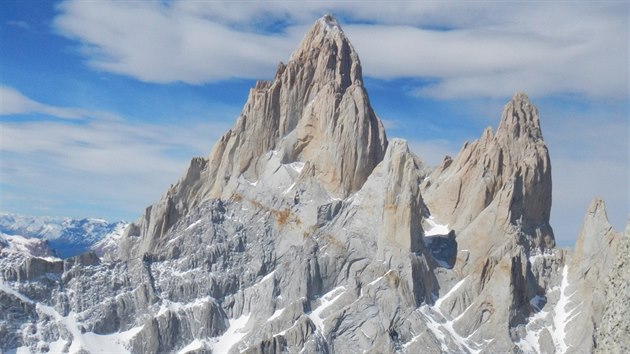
(14, 102)
(469, 50)
(161, 44)
(117, 166)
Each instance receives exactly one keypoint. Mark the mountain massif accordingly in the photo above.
(307, 231)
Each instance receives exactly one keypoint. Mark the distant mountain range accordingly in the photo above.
(66, 237)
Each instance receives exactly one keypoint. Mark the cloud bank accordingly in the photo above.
(465, 50)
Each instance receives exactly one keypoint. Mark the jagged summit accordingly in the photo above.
(520, 119)
(592, 260)
(315, 111)
(327, 25)
(315, 114)
(596, 234)
(597, 210)
(327, 55)
(329, 22)
(510, 169)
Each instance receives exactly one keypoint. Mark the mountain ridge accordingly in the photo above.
(67, 237)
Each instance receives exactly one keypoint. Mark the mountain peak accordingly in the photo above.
(328, 23)
(520, 96)
(328, 54)
(315, 113)
(520, 119)
(596, 212)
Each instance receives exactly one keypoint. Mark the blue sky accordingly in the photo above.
(103, 103)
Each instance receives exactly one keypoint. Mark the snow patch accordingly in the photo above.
(193, 225)
(177, 306)
(438, 303)
(562, 316)
(9, 290)
(531, 342)
(443, 329)
(379, 278)
(434, 228)
(268, 276)
(442, 325)
(194, 345)
(90, 342)
(235, 332)
(289, 189)
(325, 301)
(537, 256)
(297, 166)
(276, 314)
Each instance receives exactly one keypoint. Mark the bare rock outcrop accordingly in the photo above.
(614, 327)
(591, 263)
(393, 189)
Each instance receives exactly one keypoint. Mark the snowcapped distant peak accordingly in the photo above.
(66, 236)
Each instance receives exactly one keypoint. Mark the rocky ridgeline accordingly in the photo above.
(305, 230)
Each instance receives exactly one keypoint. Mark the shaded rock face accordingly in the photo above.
(305, 230)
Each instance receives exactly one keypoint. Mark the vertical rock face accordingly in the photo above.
(510, 167)
(393, 188)
(315, 111)
(596, 245)
(591, 263)
(613, 329)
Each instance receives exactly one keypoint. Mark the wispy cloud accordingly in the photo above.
(467, 50)
(14, 102)
(123, 165)
(161, 44)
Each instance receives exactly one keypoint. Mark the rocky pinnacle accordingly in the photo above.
(509, 172)
(314, 112)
